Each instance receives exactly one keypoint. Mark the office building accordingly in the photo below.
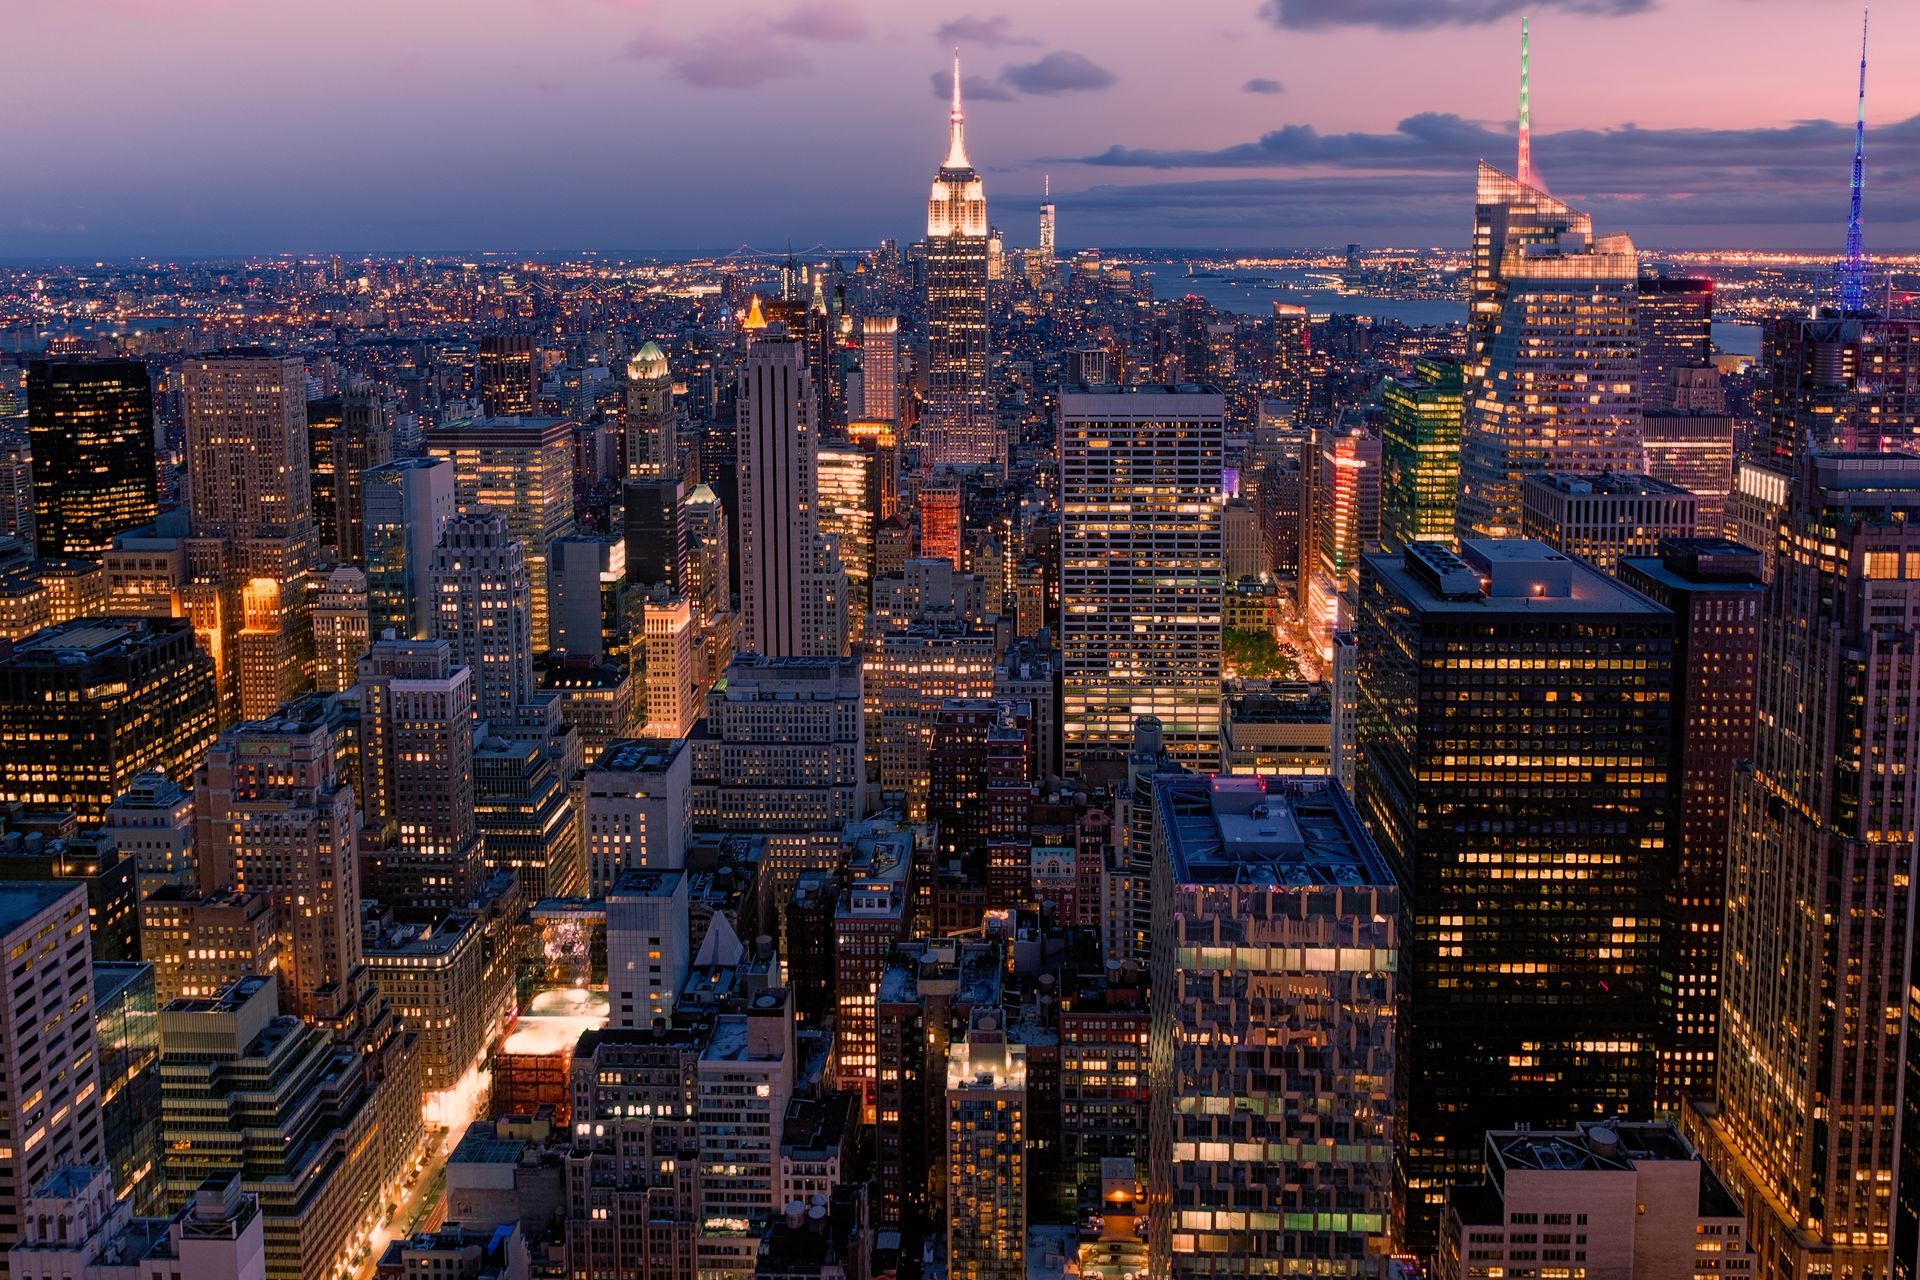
(152, 821)
(508, 377)
(483, 607)
(339, 616)
(1290, 378)
(1693, 449)
(1840, 381)
(233, 1067)
(869, 918)
(659, 540)
(201, 943)
(75, 588)
(16, 488)
(1272, 908)
(1553, 352)
(273, 813)
(416, 783)
(782, 752)
(942, 518)
(48, 1045)
(1713, 588)
(1344, 502)
(347, 434)
(431, 976)
(1602, 517)
(91, 428)
(743, 1083)
(1676, 335)
(1632, 1200)
(521, 468)
(647, 947)
(127, 1032)
(987, 1132)
(1820, 866)
(907, 675)
(673, 685)
(959, 427)
(849, 497)
(1560, 760)
(92, 705)
(1420, 453)
(792, 592)
(880, 369)
(652, 449)
(589, 577)
(528, 822)
(407, 501)
(247, 457)
(55, 847)
(1281, 730)
(1140, 570)
(638, 810)
(597, 698)
(77, 1229)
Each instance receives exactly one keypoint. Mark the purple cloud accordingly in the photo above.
(1260, 84)
(823, 20)
(984, 29)
(1424, 15)
(1057, 72)
(743, 57)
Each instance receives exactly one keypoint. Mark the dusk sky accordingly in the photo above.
(241, 126)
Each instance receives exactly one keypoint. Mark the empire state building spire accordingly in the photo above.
(956, 125)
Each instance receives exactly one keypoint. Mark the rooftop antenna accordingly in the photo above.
(1525, 173)
(956, 124)
(1853, 270)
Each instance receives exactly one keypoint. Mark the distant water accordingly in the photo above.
(1253, 293)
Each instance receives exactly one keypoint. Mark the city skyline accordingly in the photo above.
(1245, 130)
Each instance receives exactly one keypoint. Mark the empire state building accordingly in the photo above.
(960, 426)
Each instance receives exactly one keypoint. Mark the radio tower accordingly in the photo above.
(1853, 270)
(1525, 167)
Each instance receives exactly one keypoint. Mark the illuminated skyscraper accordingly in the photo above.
(352, 435)
(1815, 986)
(1140, 570)
(1045, 260)
(1600, 517)
(523, 469)
(91, 426)
(1514, 728)
(1676, 333)
(1345, 525)
(339, 629)
(792, 591)
(651, 446)
(483, 605)
(90, 706)
(960, 422)
(1292, 373)
(247, 457)
(406, 504)
(1420, 454)
(1553, 352)
(1713, 588)
(47, 1036)
(880, 369)
(987, 1124)
(416, 782)
(942, 517)
(1271, 908)
(509, 382)
(274, 814)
